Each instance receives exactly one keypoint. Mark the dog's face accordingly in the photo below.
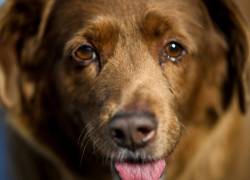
(127, 76)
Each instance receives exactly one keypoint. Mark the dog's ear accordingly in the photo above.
(229, 21)
(22, 23)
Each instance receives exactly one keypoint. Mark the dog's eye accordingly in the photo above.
(173, 51)
(85, 54)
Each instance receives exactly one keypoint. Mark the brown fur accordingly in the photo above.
(59, 111)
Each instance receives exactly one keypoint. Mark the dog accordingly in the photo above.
(131, 90)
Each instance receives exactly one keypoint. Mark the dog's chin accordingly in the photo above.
(137, 170)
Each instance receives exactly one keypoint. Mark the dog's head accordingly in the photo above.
(125, 75)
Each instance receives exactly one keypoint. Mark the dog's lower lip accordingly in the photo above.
(140, 171)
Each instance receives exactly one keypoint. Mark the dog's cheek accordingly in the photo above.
(75, 82)
(196, 84)
(183, 80)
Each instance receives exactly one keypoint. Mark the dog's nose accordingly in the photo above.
(133, 130)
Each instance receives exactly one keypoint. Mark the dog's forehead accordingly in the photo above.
(182, 15)
(126, 10)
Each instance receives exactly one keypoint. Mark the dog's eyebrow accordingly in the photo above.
(102, 28)
(102, 31)
(156, 22)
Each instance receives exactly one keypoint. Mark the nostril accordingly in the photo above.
(143, 135)
(118, 129)
(118, 134)
(144, 130)
(149, 137)
(147, 133)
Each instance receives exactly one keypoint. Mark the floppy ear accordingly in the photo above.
(229, 21)
(22, 24)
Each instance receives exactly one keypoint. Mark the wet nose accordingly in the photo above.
(133, 130)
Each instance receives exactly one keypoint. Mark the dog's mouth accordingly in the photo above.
(153, 170)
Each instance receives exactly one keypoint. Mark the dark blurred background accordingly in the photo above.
(243, 4)
(3, 167)
(3, 152)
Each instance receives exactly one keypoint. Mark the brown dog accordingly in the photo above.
(102, 89)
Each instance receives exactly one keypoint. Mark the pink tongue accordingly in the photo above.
(149, 171)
